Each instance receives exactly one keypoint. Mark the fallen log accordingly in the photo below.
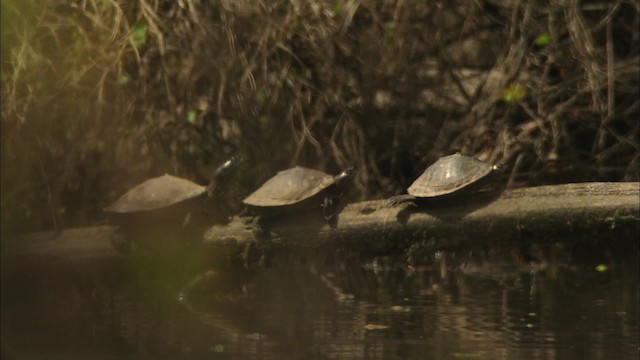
(568, 212)
(556, 213)
(79, 245)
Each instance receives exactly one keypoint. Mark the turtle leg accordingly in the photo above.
(256, 257)
(120, 241)
(395, 200)
(330, 210)
(260, 228)
(244, 212)
(332, 221)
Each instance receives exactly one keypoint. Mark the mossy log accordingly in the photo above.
(559, 213)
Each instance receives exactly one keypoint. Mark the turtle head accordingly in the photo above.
(345, 176)
(221, 175)
(226, 168)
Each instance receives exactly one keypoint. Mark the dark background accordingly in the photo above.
(98, 96)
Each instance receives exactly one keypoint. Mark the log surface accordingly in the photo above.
(568, 212)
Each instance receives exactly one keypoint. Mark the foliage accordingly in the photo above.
(99, 94)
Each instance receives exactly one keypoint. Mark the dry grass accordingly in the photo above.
(97, 95)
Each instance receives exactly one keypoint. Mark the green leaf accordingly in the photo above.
(513, 93)
(262, 96)
(191, 116)
(139, 33)
(298, 23)
(105, 5)
(100, 146)
(543, 39)
(601, 268)
(390, 26)
(123, 79)
(337, 9)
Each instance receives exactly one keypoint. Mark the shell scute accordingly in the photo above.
(156, 193)
(449, 174)
(289, 187)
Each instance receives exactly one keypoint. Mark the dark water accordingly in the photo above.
(340, 307)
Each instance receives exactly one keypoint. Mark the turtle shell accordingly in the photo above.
(156, 193)
(448, 175)
(290, 186)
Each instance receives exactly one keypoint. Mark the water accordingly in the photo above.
(307, 306)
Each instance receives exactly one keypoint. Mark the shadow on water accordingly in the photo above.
(326, 305)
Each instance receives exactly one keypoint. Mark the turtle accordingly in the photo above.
(165, 201)
(449, 176)
(297, 189)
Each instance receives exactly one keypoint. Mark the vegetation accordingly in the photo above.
(98, 95)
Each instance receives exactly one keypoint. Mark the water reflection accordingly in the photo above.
(340, 307)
